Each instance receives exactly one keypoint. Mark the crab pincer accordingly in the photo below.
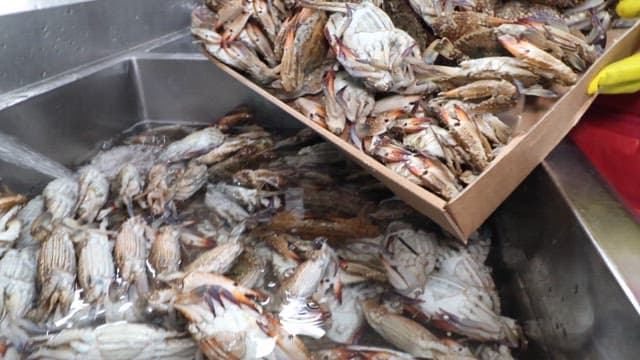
(540, 61)
(216, 293)
(227, 324)
(463, 128)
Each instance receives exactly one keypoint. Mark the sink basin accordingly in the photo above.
(551, 274)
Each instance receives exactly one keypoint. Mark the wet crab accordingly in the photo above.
(228, 324)
(410, 336)
(56, 275)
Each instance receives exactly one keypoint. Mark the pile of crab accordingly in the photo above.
(438, 103)
(229, 243)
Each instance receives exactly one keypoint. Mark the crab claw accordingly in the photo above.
(418, 166)
(446, 117)
(210, 297)
(8, 202)
(541, 62)
(330, 82)
(235, 118)
(461, 114)
(369, 144)
(235, 27)
(381, 123)
(197, 241)
(336, 118)
(508, 332)
(390, 152)
(290, 345)
(280, 243)
(293, 255)
(413, 124)
(195, 280)
(311, 110)
(434, 175)
(217, 293)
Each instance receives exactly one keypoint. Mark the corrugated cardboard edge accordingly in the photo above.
(415, 196)
(473, 206)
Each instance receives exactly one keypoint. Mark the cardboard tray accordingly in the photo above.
(549, 122)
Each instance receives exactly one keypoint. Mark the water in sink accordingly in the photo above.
(17, 153)
(307, 242)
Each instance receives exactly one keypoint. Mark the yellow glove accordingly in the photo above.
(620, 77)
(628, 8)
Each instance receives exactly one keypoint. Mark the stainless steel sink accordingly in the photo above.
(67, 122)
(566, 253)
(552, 275)
(565, 292)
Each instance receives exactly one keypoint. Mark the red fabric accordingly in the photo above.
(609, 135)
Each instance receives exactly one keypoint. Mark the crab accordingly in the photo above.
(345, 99)
(228, 324)
(462, 127)
(430, 10)
(369, 46)
(236, 53)
(494, 96)
(540, 61)
(409, 335)
(553, 45)
(423, 170)
(301, 46)
(454, 306)
(409, 256)
(477, 35)
(233, 15)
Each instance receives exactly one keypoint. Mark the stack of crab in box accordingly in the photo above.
(230, 242)
(429, 88)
